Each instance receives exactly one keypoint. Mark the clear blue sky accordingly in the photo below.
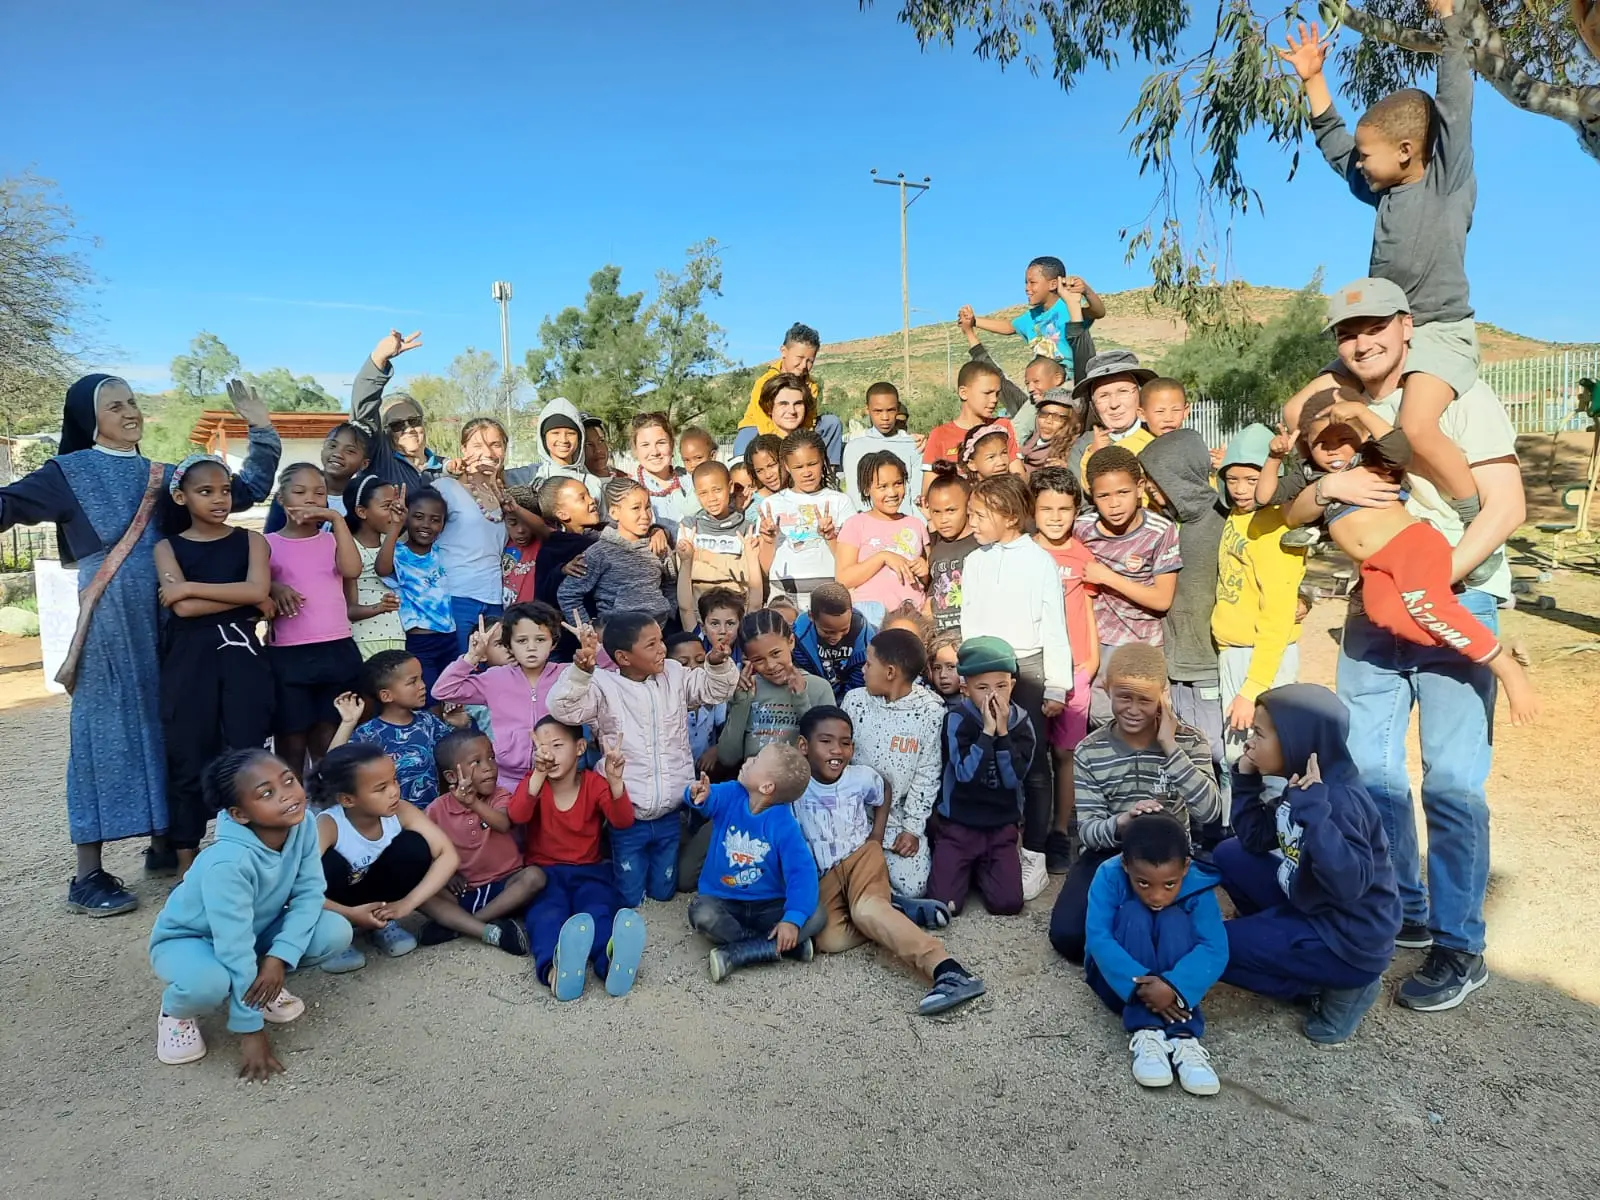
(299, 176)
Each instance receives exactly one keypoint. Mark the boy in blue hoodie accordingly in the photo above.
(1155, 947)
(758, 888)
(1308, 869)
(831, 640)
(248, 911)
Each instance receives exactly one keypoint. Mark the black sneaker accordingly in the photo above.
(1057, 852)
(435, 934)
(160, 862)
(1413, 935)
(950, 989)
(1445, 979)
(513, 937)
(100, 894)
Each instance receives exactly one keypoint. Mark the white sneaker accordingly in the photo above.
(178, 1040)
(1151, 1067)
(1195, 1073)
(1035, 878)
(283, 1008)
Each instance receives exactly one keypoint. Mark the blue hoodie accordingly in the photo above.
(757, 856)
(842, 676)
(1335, 858)
(1196, 971)
(236, 889)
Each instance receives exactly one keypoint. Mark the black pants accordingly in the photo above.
(1070, 915)
(388, 878)
(1039, 803)
(216, 696)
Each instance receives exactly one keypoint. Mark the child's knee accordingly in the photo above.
(201, 986)
(836, 938)
(705, 915)
(331, 936)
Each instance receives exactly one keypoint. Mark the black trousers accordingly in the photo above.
(1039, 789)
(389, 877)
(216, 696)
(1070, 915)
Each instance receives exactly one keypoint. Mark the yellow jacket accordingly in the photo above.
(1258, 586)
(1135, 440)
(754, 417)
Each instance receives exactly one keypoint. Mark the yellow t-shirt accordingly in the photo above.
(1258, 585)
(753, 416)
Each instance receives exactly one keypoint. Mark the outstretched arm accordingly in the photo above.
(1452, 102)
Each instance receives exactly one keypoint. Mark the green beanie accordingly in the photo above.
(981, 654)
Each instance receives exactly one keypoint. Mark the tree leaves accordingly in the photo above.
(203, 370)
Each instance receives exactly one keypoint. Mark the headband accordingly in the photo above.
(188, 464)
(978, 434)
(368, 482)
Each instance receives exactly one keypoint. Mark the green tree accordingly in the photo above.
(44, 278)
(686, 343)
(1249, 370)
(596, 356)
(470, 387)
(1215, 81)
(282, 391)
(203, 370)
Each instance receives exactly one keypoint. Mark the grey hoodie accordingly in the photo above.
(547, 467)
(1179, 464)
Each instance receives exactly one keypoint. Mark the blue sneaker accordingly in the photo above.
(1336, 1012)
(1445, 979)
(949, 990)
(930, 914)
(625, 949)
(392, 940)
(100, 894)
(347, 960)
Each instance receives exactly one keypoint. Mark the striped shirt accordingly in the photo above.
(1110, 777)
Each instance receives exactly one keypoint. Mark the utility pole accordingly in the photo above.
(501, 291)
(902, 183)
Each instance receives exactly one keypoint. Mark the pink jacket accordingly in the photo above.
(650, 721)
(514, 709)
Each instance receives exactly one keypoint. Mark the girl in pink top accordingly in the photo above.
(314, 658)
(882, 555)
(515, 693)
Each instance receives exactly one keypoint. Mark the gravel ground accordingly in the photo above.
(448, 1073)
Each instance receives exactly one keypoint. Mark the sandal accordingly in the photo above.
(178, 1040)
(283, 1008)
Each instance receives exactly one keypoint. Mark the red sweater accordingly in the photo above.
(570, 838)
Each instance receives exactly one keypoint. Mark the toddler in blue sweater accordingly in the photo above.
(758, 889)
(1155, 947)
(248, 912)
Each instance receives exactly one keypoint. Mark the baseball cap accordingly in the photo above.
(1366, 297)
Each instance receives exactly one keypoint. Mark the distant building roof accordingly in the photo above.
(217, 427)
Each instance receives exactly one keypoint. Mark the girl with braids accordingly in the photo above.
(382, 859)
(764, 459)
(249, 911)
(800, 524)
(773, 693)
(375, 511)
(216, 685)
(621, 570)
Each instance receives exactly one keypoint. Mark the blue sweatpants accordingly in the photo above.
(197, 982)
(568, 891)
(1160, 940)
(1273, 950)
(645, 859)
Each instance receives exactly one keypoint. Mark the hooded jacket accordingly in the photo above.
(1180, 465)
(236, 890)
(1200, 967)
(844, 675)
(649, 719)
(1258, 578)
(514, 709)
(1334, 858)
(549, 468)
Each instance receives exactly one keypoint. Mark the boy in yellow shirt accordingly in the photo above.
(1258, 590)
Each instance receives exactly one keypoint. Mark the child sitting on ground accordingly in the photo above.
(517, 694)
(643, 708)
(772, 694)
(831, 640)
(1145, 760)
(716, 546)
(1156, 946)
(382, 859)
(900, 727)
(492, 887)
(847, 844)
(416, 566)
(989, 743)
(758, 889)
(578, 918)
(621, 571)
(403, 728)
(248, 911)
(1405, 563)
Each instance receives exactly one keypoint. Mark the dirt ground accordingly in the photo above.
(448, 1073)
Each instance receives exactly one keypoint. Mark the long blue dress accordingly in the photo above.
(116, 763)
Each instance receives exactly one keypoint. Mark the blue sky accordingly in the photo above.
(298, 177)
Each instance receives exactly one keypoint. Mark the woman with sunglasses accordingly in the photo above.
(402, 456)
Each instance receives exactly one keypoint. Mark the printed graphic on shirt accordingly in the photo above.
(1290, 835)
(946, 562)
(772, 721)
(1231, 565)
(834, 658)
(727, 542)
(803, 525)
(745, 853)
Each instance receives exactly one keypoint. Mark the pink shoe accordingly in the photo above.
(283, 1008)
(178, 1040)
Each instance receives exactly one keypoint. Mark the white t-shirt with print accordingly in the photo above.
(802, 552)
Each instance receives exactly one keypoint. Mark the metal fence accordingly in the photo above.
(21, 544)
(1541, 394)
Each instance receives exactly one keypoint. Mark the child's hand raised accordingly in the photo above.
(685, 548)
(1002, 715)
(454, 715)
(1308, 53)
(747, 676)
(543, 761)
(718, 654)
(614, 762)
(349, 706)
(1216, 454)
(1309, 777)
(1167, 726)
(700, 789)
(828, 531)
(769, 527)
(478, 643)
(786, 934)
(966, 318)
(1282, 442)
(588, 641)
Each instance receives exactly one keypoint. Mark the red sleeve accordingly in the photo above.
(938, 447)
(520, 810)
(619, 811)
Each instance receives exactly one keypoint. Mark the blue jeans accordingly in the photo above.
(1380, 678)
(466, 611)
(1160, 940)
(645, 859)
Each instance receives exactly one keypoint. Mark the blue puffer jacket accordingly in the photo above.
(843, 676)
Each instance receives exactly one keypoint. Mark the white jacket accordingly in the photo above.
(649, 720)
(1012, 591)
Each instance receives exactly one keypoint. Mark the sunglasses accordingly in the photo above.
(404, 424)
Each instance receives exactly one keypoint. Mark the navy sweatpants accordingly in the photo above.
(1272, 948)
(1159, 940)
(568, 891)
